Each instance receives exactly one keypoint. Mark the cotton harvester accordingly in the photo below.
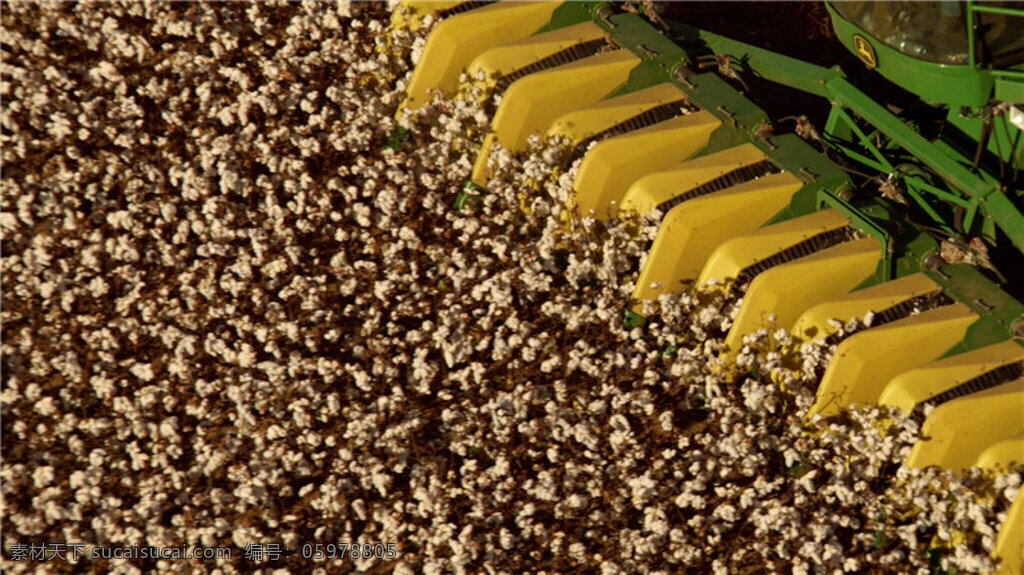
(883, 212)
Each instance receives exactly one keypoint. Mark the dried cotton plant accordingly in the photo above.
(233, 314)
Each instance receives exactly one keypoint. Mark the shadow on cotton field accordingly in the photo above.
(238, 311)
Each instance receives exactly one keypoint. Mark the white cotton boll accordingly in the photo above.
(143, 371)
(275, 432)
(726, 512)
(120, 219)
(655, 521)
(806, 482)
(43, 476)
(618, 422)
(98, 287)
(869, 318)
(8, 222)
(791, 457)
(549, 364)
(754, 396)
(692, 501)
(45, 406)
(359, 507)
(246, 357)
(665, 420)
(382, 483)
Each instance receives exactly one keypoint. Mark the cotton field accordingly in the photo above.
(238, 310)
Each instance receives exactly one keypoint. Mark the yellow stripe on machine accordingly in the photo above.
(611, 167)
(410, 14)
(505, 59)
(737, 254)
(958, 431)
(533, 102)
(815, 322)
(1002, 454)
(456, 41)
(864, 363)
(787, 290)
(1009, 548)
(916, 386)
(693, 229)
(652, 190)
(584, 123)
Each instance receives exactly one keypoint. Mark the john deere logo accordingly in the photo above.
(864, 51)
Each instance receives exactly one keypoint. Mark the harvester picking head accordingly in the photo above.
(913, 227)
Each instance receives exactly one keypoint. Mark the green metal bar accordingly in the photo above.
(936, 218)
(772, 66)
(969, 218)
(1001, 10)
(1017, 74)
(1006, 214)
(952, 152)
(571, 13)
(971, 56)
(973, 8)
(865, 141)
(861, 158)
(942, 194)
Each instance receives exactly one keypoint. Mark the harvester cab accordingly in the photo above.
(967, 58)
(911, 216)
